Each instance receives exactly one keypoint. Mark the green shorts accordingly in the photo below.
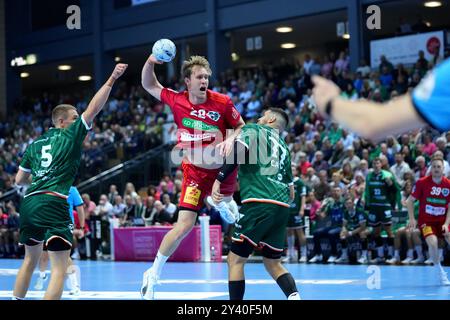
(379, 215)
(295, 220)
(262, 224)
(44, 217)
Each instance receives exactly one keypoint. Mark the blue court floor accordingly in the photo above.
(202, 281)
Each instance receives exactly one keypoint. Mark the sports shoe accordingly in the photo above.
(418, 261)
(40, 282)
(428, 262)
(75, 255)
(316, 258)
(222, 207)
(363, 260)
(393, 260)
(443, 278)
(342, 259)
(294, 296)
(75, 291)
(149, 281)
(303, 259)
(408, 260)
(331, 259)
(377, 260)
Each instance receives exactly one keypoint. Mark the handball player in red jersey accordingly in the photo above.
(433, 193)
(202, 117)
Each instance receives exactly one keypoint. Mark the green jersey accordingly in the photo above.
(355, 218)
(267, 174)
(53, 159)
(378, 193)
(300, 191)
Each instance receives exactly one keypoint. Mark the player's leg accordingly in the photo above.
(58, 253)
(302, 243)
(77, 234)
(386, 221)
(343, 237)
(278, 273)
(33, 251)
(43, 263)
(333, 237)
(432, 232)
(398, 233)
(378, 243)
(236, 259)
(418, 246)
(290, 235)
(363, 234)
(171, 241)
(410, 251)
(318, 234)
(73, 276)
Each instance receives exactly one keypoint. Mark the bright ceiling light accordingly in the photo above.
(346, 36)
(24, 75)
(432, 4)
(117, 59)
(288, 45)
(84, 78)
(64, 67)
(284, 29)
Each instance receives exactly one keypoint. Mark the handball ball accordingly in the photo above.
(164, 50)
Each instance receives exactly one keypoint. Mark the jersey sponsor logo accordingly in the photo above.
(445, 192)
(434, 211)
(235, 114)
(186, 136)
(213, 115)
(192, 195)
(437, 201)
(198, 125)
(426, 230)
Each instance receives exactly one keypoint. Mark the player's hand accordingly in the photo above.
(225, 147)
(324, 91)
(445, 228)
(119, 70)
(302, 213)
(412, 224)
(152, 59)
(215, 192)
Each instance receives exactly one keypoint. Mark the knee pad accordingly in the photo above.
(242, 249)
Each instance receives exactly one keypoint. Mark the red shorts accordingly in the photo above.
(198, 182)
(429, 228)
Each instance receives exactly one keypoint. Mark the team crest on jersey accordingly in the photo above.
(445, 192)
(213, 115)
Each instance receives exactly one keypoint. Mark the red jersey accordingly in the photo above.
(433, 199)
(201, 123)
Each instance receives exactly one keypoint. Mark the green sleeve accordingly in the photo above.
(25, 164)
(78, 130)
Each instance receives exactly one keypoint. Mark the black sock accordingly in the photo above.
(364, 244)
(379, 241)
(344, 243)
(287, 284)
(390, 241)
(236, 289)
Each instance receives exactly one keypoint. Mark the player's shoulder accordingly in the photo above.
(424, 180)
(446, 181)
(217, 97)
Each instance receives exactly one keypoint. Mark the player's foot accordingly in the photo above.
(294, 296)
(75, 255)
(408, 260)
(222, 207)
(331, 259)
(341, 260)
(303, 259)
(393, 260)
(286, 259)
(363, 260)
(40, 282)
(419, 260)
(150, 280)
(316, 258)
(377, 260)
(444, 279)
(428, 262)
(75, 291)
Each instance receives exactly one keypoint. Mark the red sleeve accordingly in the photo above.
(168, 96)
(232, 116)
(417, 190)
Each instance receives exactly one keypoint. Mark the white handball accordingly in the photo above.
(164, 50)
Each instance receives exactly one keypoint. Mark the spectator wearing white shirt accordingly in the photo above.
(363, 68)
(245, 94)
(104, 207)
(400, 168)
(351, 158)
(307, 63)
(119, 207)
(253, 107)
(168, 205)
(446, 164)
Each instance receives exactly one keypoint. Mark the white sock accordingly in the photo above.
(344, 253)
(73, 280)
(397, 254)
(390, 250)
(303, 251)
(364, 253)
(291, 242)
(42, 274)
(380, 251)
(419, 252)
(410, 253)
(159, 262)
(441, 254)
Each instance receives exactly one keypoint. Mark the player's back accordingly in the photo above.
(53, 159)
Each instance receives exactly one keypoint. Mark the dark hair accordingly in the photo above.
(280, 112)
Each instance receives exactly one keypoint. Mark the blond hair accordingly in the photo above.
(193, 61)
(61, 112)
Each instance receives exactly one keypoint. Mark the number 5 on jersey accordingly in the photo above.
(46, 157)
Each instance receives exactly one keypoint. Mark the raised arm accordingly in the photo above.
(149, 80)
(102, 95)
